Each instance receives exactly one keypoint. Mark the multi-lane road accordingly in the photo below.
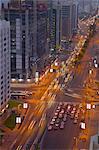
(46, 96)
(64, 139)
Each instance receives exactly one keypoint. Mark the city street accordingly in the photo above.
(63, 139)
(49, 74)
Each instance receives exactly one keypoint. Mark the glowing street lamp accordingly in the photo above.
(90, 71)
(28, 80)
(83, 125)
(51, 70)
(95, 61)
(56, 64)
(96, 65)
(25, 105)
(20, 80)
(88, 106)
(18, 120)
(13, 80)
(93, 106)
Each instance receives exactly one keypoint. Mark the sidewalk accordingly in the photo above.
(22, 85)
(92, 118)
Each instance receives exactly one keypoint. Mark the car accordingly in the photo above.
(57, 124)
(50, 128)
(51, 123)
(59, 107)
(68, 112)
(74, 108)
(60, 116)
(53, 119)
(55, 127)
(56, 113)
(75, 121)
(62, 126)
(64, 119)
(62, 111)
(57, 110)
(72, 112)
(68, 107)
(72, 116)
(58, 120)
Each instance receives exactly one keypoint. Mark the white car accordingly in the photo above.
(57, 110)
(68, 107)
(50, 128)
(72, 112)
(59, 107)
(53, 119)
(75, 121)
(76, 115)
(62, 111)
(74, 108)
(56, 113)
(52, 123)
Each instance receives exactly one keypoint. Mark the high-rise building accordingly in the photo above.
(88, 6)
(54, 23)
(19, 15)
(41, 28)
(4, 63)
(69, 18)
(28, 20)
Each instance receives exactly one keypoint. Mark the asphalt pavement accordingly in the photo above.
(64, 139)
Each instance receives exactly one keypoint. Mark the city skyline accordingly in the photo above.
(49, 74)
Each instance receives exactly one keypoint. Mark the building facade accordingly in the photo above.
(4, 63)
(20, 15)
(55, 18)
(69, 18)
(28, 20)
(41, 28)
